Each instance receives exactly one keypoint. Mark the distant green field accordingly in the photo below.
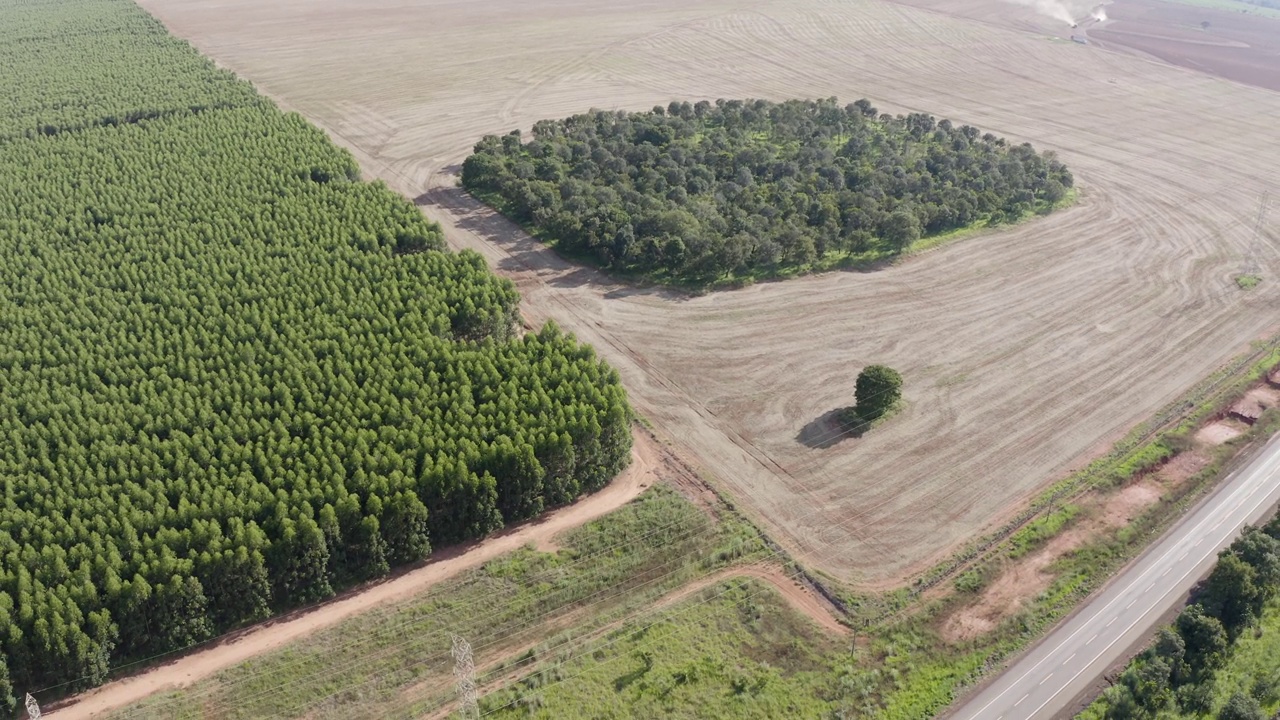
(1232, 6)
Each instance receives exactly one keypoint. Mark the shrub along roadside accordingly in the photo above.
(1144, 448)
(1176, 676)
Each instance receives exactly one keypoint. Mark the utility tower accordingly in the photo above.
(33, 708)
(464, 669)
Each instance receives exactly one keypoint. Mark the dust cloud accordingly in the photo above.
(1055, 9)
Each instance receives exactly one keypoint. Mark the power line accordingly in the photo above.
(464, 670)
(831, 433)
(840, 429)
(829, 542)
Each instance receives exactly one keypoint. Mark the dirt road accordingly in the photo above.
(493, 676)
(799, 597)
(646, 456)
(1023, 350)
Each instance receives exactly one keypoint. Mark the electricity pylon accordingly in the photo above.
(464, 669)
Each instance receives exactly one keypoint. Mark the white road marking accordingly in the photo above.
(1024, 697)
(1064, 662)
(1257, 476)
(1267, 471)
(1046, 679)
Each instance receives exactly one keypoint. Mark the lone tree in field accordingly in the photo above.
(878, 388)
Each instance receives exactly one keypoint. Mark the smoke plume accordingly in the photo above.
(1055, 9)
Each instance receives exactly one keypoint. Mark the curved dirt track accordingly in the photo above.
(797, 596)
(800, 598)
(1023, 351)
(646, 457)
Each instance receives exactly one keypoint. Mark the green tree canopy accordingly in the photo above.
(235, 376)
(877, 390)
(1241, 707)
(710, 192)
(900, 229)
(1206, 640)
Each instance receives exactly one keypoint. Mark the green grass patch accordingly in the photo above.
(615, 565)
(1038, 531)
(1248, 282)
(735, 650)
(1232, 6)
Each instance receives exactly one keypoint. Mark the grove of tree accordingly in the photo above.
(709, 193)
(236, 378)
(1176, 676)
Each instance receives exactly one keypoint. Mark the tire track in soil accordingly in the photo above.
(1054, 324)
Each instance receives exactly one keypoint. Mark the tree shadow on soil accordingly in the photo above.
(831, 428)
(527, 254)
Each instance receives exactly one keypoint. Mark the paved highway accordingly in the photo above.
(1043, 682)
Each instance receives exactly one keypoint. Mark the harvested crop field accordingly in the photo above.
(1235, 40)
(1242, 47)
(1023, 350)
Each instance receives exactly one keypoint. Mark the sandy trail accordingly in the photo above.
(800, 598)
(1022, 349)
(648, 461)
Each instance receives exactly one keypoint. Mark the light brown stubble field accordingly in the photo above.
(1024, 351)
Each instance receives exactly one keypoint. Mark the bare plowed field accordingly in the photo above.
(1024, 351)
(1237, 41)
(1242, 47)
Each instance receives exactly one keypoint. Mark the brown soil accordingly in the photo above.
(1221, 431)
(1018, 582)
(1022, 579)
(650, 464)
(1264, 395)
(1021, 349)
(1244, 47)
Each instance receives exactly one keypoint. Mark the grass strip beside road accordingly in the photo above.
(371, 660)
(1088, 567)
(1145, 447)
